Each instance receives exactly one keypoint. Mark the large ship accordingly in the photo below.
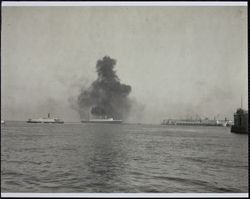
(46, 120)
(240, 122)
(108, 121)
(103, 120)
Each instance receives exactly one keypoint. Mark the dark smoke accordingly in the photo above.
(106, 97)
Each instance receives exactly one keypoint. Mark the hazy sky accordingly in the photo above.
(179, 61)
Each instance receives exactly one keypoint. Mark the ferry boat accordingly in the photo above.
(46, 120)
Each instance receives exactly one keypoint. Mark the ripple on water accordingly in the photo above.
(122, 158)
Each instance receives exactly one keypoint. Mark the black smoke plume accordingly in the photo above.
(106, 97)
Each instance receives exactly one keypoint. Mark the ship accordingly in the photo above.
(105, 120)
(46, 120)
(196, 122)
(2, 122)
(240, 122)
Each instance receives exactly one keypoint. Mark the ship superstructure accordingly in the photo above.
(240, 121)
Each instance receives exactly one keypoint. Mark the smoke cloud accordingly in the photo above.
(107, 96)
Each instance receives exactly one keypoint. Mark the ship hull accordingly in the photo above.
(239, 130)
(194, 124)
(103, 121)
(45, 122)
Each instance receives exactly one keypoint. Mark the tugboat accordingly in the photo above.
(46, 120)
(240, 122)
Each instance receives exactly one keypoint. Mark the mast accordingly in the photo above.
(241, 102)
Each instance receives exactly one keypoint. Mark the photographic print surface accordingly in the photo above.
(99, 99)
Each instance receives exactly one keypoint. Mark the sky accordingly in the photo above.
(181, 62)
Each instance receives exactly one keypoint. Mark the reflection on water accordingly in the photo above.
(122, 158)
(107, 160)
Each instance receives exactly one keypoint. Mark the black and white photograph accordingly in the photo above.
(124, 99)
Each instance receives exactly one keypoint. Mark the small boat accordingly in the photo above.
(2, 122)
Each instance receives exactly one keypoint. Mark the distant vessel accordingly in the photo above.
(195, 122)
(240, 122)
(46, 120)
(2, 122)
(103, 120)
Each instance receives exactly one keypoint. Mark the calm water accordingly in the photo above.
(122, 158)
